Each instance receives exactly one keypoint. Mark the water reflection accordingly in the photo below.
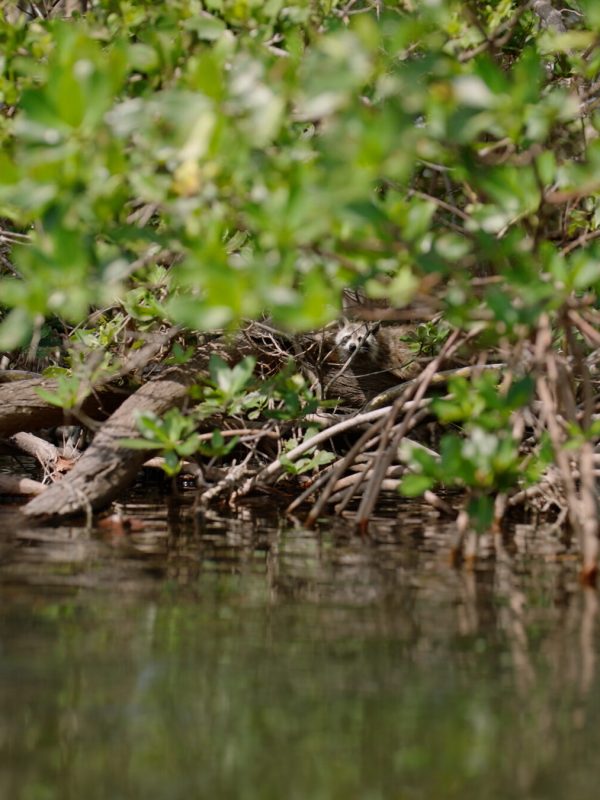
(240, 655)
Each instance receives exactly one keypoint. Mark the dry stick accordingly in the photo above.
(235, 473)
(580, 241)
(588, 330)
(321, 480)
(12, 484)
(355, 487)
(349, 480)
(389, 395)
(346, 496)
(326, 476)
(314, 486)
(274, 469)
(47, 454)
(139, 358)
(498, 37)
(441, 204)
(368, 501)
(379, 471)
(342, 465)
(387, 485)
(372, 491)
(6, 236)
(531, 492)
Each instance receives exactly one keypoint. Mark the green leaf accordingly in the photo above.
(205, 26)
(481, 512)
(139, 444)
(415, 485)
(15, 329)
(51, 397)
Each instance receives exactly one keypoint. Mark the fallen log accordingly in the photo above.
(45, 453)
(16, 485)
(22, 408)
(106, 468)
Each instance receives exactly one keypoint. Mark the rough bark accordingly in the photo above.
(22, 409)
(44, 452)
(106, 468)
(14, 484)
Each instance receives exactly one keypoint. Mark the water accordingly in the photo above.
(242, 656)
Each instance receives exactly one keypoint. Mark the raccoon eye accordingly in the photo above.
(344, 340)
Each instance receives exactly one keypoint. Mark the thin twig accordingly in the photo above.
(370, 495)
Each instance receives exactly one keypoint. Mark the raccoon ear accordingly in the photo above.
(344, 321)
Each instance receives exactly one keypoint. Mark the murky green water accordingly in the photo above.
(249, 658)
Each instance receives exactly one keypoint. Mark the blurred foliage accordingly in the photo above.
(206, 162)
(274, 153)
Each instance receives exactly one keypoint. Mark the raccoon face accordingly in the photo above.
(356, 336)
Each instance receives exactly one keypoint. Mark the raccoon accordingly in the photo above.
(374, 347)
(357, 336)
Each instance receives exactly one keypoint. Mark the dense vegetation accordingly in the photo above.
(175, 169)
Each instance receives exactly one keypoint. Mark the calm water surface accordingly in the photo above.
(243, 656)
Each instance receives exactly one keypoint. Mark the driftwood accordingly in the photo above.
(44, 452)
(22, 408)
(106, 468)
(14, 484)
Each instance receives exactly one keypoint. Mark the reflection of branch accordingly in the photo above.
(511, 616)
(587, 638)
(466, 608)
